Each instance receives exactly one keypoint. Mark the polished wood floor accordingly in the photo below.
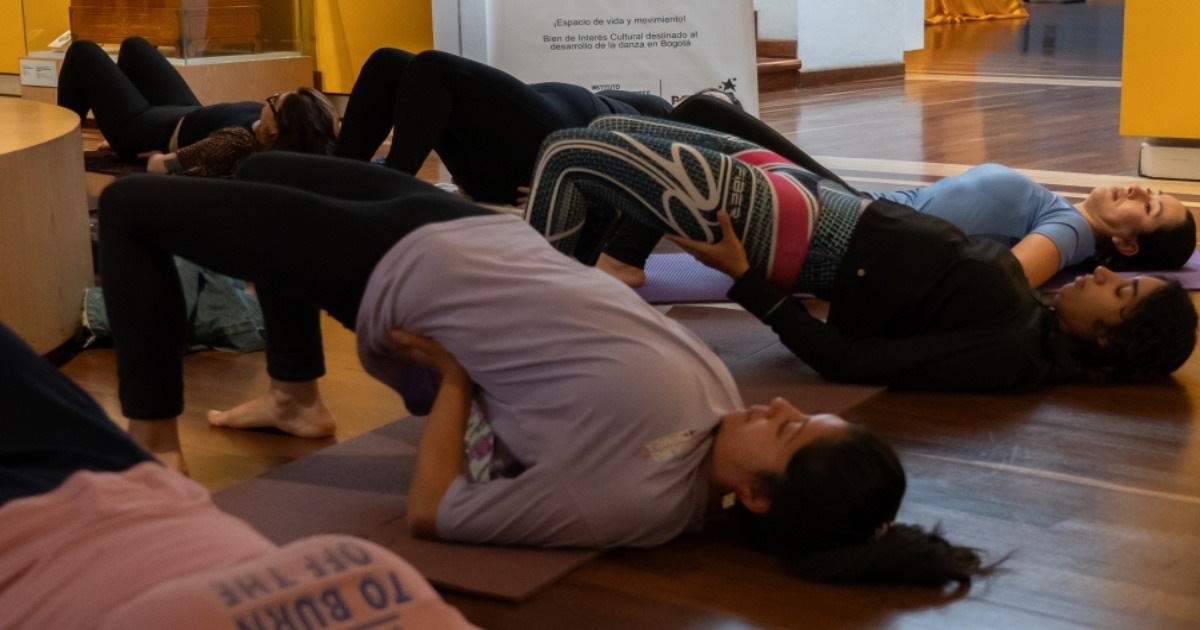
(1095, 491)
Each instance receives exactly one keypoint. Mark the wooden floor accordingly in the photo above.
(1094, 490)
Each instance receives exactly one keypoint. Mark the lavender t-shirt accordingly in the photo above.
(608, 404)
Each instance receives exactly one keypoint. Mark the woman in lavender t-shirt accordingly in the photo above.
(622, 428)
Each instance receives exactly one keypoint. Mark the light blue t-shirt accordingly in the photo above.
(995, 202)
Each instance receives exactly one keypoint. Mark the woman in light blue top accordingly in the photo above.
(1122, 228)
(1048, 233)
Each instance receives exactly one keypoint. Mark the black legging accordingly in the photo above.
(308, 231)
(50, 428)
(485, 124)
(633, 241)
(137, 101)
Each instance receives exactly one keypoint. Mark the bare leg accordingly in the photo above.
(292, 407)
(160, 438)
(630, 275)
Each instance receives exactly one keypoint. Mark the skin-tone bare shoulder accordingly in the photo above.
(1039, 258)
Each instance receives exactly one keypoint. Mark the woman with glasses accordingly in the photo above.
(145, 109)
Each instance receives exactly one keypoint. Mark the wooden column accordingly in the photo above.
(45, 245)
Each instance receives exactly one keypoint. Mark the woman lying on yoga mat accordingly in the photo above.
(485, 124)
(914, 302)
(144, 108)
(95, 534)
(1122, 228)
(621, 426)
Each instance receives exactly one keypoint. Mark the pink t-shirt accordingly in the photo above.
(146, 548)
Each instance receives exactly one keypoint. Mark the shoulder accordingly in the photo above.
(997, 179)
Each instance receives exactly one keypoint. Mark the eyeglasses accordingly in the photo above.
(271, 101)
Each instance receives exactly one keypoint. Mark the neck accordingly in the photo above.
(1083, 208)
(722, 476)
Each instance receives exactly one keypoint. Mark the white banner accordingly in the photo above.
(670, 48)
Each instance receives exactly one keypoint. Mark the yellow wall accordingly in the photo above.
(1159, 92)
(46, 19)
(348, 32)
(12, 36)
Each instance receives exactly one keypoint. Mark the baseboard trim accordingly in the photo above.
(776, 48)
(815, 78)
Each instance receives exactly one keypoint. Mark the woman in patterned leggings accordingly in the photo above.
(674, 177)
(1123, 227)
(915, 303)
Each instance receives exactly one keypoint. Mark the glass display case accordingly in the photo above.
(226, 50)
(187, 31)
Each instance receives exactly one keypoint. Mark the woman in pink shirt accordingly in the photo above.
(95, 534)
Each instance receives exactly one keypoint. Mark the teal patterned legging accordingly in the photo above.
(673, 177)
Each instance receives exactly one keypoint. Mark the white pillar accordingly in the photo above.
(850, 33)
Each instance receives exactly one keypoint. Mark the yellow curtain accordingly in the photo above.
(952, 11)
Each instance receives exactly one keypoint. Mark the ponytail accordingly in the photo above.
(904, 554)
(831, 520)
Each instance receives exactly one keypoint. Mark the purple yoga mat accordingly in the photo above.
(1188, 275)
(676, 278)
(109, 163)
(673, 278)
(359, 487)
(762, 367)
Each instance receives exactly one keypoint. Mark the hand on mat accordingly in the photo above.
(726, 255)
(414, 348)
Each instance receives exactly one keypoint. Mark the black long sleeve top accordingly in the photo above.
(917, 304)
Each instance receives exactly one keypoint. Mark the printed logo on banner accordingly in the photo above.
(729, 86)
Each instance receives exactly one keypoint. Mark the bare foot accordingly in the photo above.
(294, 408)
(160, 438)
(628, 274)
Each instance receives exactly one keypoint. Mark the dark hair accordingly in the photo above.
(306, 123)
(831, 519)
(1155, 339)
(1168, 247)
